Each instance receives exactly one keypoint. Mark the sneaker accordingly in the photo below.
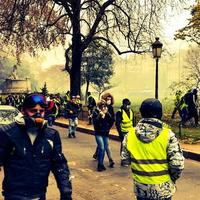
(124, 164)
(95, 156)
(100, 168)
(111, 163)
(69, 136)
(73, 135)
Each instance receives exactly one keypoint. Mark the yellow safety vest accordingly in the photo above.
(149, 160)
(127, 123)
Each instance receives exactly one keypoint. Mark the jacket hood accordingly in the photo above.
(148, 129)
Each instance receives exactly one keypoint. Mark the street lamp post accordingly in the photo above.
(156, 50)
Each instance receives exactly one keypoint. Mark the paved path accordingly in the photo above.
(83, 124)
(113, 184)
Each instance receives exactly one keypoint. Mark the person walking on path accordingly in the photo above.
(108, 99)
(190, 99)
(124, 121)
(29, 150)
(177, 103)
(155, 154)
(51, 112)
(102, 122)
(73, 108)
(91, 104)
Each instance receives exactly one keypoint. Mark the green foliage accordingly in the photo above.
(96, 64)
(191, 32)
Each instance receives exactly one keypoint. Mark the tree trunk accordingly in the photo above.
(75, 72)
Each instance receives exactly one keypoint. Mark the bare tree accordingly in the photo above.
(127, 25)
(193, 66)
(101, 88)
(191, 77)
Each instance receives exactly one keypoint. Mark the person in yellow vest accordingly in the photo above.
(155, 154)
(124, 122)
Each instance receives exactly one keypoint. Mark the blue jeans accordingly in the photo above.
(102, 145)
(51, 120)
(73, 123)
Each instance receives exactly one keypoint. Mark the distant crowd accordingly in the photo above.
(57, 105)
(186, 104)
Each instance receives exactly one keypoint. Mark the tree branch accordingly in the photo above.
(116, 48)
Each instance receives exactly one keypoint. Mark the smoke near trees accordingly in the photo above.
(127, 26)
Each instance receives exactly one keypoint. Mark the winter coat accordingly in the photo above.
(146, 131)
(102, 126)
(91, 102)
(27, 166)
(72, 110)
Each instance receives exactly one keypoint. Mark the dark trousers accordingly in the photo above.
(22, 197)
(139, 198)
(51, 120)
(193, 113)
(176, 108)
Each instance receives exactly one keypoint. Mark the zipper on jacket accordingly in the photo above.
(24, 150)
(42, 151)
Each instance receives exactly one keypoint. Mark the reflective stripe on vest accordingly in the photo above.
(149, 160)
(127, 123)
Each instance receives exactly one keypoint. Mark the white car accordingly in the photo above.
(7, 114)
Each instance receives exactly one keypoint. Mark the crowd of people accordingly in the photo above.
(149, 147)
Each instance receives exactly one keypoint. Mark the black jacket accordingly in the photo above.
(91, 102)
(27, 166)
(72, 109)
(102, 126)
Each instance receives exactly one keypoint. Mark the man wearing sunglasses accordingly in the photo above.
(29, 150)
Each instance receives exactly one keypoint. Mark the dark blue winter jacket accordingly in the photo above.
(27, 166)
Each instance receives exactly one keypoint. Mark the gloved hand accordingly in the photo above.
(174, 174)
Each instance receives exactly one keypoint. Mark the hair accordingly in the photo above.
(106, 95)
(100, 104)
